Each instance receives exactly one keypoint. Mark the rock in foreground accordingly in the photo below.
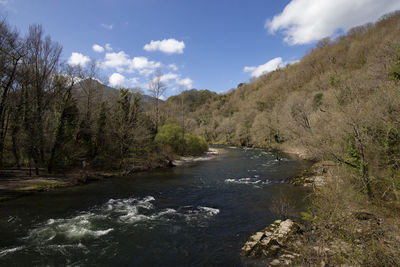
(270, 241)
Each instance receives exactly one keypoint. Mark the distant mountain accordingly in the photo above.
(101, 91)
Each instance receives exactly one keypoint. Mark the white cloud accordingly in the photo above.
(118, 60)
(305, 21)
(123, 63)
(146, 72)
(169, 76)
(142, 63)
(273, 64)
(107, 26)
(108, 47)
(98, 48)
(173, 67)
(187, 82)
(77, 59)
(168, 46)
(117, 80)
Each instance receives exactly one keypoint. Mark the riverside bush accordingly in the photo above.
(170, 138)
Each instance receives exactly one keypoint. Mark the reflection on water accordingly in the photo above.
(196, 215)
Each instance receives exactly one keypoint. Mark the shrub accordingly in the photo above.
(195, 145)
(170, 135)
(169, 138)
(317, 100)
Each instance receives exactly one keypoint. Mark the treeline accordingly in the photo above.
(56, 117)
(340, 103)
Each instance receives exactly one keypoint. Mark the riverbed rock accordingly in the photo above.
(211, 154)
(270, 241)
(316, 176)
(317, 180)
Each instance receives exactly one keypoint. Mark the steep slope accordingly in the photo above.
(301, 99)
(340, 102)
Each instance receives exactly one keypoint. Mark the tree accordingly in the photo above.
(67, 110)
(126, 119)
(182, 109)
(157, 88)
(11, 52)
(324, 42)
(89, 95)
(40, 65)
(101, 136)
(169, 137)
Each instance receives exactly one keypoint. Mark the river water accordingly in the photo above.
(197, 215)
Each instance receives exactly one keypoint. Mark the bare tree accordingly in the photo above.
(11, 52)
(157, 89)
(64, 84)
(90, 91)
(40, 65)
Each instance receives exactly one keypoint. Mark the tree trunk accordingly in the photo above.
(15, 146)
(365, 178)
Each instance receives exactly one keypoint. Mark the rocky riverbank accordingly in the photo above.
(337, 231)
(211, 154)
(316, 176)
(274, 243)
(278, 243)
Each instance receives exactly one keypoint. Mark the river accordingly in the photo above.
(196, 215)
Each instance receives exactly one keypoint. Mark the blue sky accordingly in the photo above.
(207, 44)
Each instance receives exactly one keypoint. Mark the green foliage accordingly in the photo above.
(195, 145)
(333, 81)
(170, 137)
(353, 155)
(317, 100)
(357, 161)
(101, 126)
(306, 216)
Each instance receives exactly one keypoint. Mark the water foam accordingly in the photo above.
(128, 211)
(199, 215)
(133, 210)
(248, 181)
(80, 226)
(209, 211)
(6, 251)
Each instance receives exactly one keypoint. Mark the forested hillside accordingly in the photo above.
(340, 102)
(57, 117)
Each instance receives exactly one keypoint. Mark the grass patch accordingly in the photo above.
(41, 186)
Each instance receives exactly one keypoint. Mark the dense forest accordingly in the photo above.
(56, 117)
(339, 103)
